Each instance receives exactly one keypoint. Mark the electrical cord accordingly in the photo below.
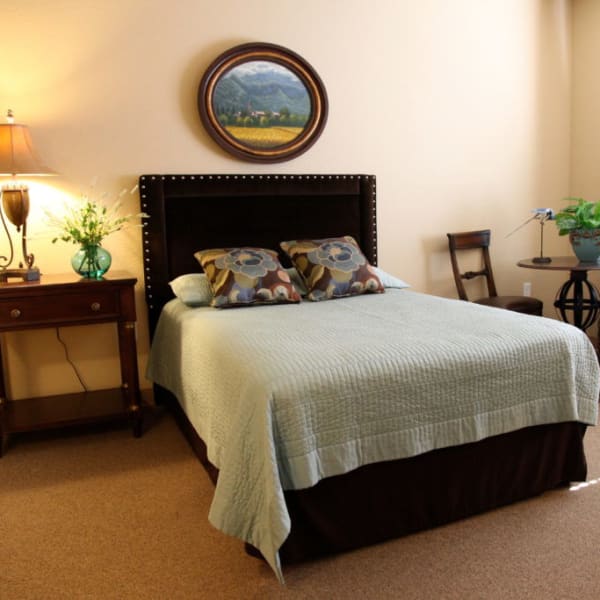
(68, 358)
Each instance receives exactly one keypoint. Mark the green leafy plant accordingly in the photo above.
(580, 214)
(90, 222)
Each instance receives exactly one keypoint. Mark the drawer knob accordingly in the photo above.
(95, 306)
(15, 313)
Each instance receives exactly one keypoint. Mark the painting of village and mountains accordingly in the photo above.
(261, 104)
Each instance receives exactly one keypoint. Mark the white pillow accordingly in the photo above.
(389, 281)
(193, 289)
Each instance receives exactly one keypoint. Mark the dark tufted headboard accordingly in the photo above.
(192, 212)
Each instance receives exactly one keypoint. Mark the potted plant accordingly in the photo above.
(87, 225)
(580, 220)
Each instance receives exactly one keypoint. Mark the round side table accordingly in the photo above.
(578, 300)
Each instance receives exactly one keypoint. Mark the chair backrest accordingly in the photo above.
(471, 240)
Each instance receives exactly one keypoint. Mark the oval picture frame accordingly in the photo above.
(262, 102)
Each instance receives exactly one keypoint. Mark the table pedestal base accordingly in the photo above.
(579, 297)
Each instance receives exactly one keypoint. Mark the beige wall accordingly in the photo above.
(585, 163)
(461, 108)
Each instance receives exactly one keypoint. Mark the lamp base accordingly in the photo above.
(541, 260)
(31, 274)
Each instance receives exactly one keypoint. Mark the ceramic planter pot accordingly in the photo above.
(586, 244)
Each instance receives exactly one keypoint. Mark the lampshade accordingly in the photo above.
(17, 154)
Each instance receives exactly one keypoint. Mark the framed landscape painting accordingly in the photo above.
(262, 102)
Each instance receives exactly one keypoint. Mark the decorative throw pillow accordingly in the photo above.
(332, 267)
(244, 276)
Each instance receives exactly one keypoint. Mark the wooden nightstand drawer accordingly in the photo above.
(64, 308)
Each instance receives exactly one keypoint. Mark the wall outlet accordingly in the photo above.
(527, 288)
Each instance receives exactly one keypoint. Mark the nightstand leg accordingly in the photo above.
(3, 400)
(2, 437)
(129, 374)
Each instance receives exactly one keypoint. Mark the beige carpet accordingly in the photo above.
(100, 515)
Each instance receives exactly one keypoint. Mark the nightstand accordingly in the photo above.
(61, 301)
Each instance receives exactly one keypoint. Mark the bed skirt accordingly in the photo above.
(387, 500)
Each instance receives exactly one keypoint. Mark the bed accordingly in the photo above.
(313, 490)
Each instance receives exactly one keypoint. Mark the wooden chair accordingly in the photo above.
(473, 240)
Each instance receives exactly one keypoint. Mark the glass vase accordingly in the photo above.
(91, 261)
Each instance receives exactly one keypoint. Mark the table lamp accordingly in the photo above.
(541, 215)
(17, 159)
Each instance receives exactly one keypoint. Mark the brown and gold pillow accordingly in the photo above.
(244, 276)
(333, 267)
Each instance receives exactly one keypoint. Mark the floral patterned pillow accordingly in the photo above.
(333, 267)
(244, 276)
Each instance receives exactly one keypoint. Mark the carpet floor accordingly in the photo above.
(97, 514)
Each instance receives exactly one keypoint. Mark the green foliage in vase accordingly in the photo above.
(90, 222)
(580, 214)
